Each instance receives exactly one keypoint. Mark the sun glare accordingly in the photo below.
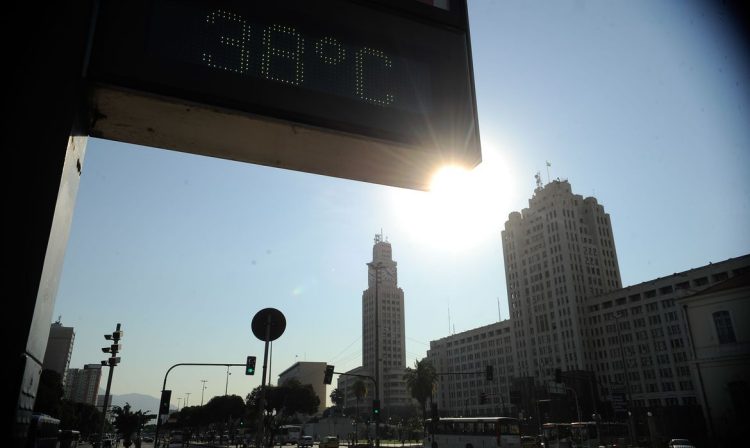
(463, 207)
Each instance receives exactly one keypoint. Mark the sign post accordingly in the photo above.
(268, 325)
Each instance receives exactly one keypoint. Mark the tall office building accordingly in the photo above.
(59, 349)
(558, 251)
(82, 385)
(586, 346)
(383, 308)
(471, 352)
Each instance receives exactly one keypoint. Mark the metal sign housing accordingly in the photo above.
(377, 91)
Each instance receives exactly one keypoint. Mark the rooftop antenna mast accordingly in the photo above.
(449, 317)
(548, 165)
(499, 316)
(538, 178)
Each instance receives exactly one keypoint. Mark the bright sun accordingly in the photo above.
(463, 208)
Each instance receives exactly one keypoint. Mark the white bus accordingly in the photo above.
(288, 434)
(473, 432)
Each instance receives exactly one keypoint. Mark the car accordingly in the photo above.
(147, 439)
(305, 441)
(529, 442)
(329, 442)
(680, 443)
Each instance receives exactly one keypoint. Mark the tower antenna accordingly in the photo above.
(548, 165)
(538, 178)
(499, 316)
(449, 316)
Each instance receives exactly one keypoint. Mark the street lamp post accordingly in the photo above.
(226, 388)
(111, 362)
(204, 388)
(187, 396)
(377, 267)
(575, 395)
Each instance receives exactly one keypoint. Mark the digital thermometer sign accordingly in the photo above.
(391, 76)
(288, 52)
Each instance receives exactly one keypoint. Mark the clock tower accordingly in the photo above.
(383, 329)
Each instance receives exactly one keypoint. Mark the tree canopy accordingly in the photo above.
(282, 403)
(129, 423)
(337, 397)
(49, 394)
(420, 381)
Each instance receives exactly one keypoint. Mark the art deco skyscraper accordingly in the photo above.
(558, 252)
(383, 308)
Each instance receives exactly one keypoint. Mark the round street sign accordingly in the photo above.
(265, 317)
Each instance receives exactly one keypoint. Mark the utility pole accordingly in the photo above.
(226, 387)
(377, 267)
(111, 362)
(204, 388)
(575, 395)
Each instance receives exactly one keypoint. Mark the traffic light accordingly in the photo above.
(164, 402)
(488, 373)
(376, 408)
(113, 349)
(250, 366)
(328, 377)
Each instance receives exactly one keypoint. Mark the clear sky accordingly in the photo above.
(642, 104)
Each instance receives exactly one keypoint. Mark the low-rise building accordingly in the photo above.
(311, 373)
(717, 323)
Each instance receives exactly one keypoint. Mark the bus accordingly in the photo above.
(473, 432)
(596, 434)
(288, 434)
(556, 435)
(43, 431)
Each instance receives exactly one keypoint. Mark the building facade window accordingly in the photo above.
(724, 329)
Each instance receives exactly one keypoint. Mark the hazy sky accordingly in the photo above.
(642, 104)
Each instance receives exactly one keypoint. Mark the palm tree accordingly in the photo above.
(129, 423)
(337, 397)
(420, 381)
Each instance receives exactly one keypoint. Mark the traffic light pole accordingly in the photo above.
(164, 387)
(111, 362)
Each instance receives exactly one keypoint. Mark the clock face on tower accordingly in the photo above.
(390, 273)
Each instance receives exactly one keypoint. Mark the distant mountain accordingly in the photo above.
(138, 402)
